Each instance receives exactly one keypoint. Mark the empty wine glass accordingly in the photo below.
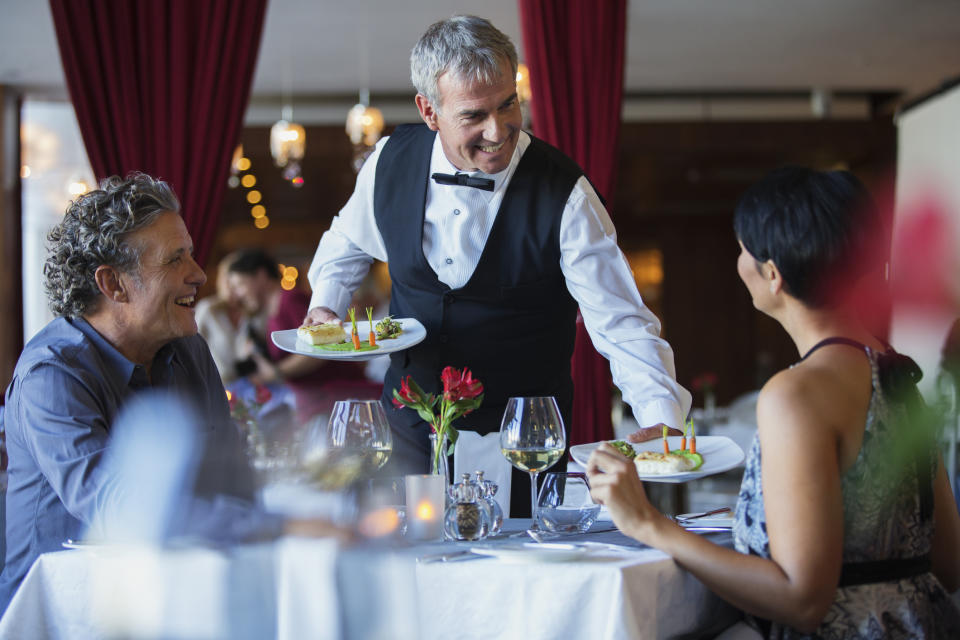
(356, 444)
(532, 438)
(565, 505)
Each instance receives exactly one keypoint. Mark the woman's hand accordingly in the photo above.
(614, 483)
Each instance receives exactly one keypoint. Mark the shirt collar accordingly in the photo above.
(440, 164)
(122, 371)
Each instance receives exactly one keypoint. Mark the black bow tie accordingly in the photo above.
(464, 180)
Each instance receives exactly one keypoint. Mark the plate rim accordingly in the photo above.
(681, 476)
(416, 326)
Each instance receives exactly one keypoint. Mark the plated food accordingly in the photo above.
(302, 341)
(326, 333)
(332, 336)
(718, 454)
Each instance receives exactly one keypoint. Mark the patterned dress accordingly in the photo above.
(882, 520)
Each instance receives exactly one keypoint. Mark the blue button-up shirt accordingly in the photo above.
(68, 386)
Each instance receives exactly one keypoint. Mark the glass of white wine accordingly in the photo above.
(532, 438)
(357, 443)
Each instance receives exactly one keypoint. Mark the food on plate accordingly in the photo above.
(373, 334)
(326, 333)
(624, 448)
(695, 458)
(354, 334)
(655, 463)
(387, 328)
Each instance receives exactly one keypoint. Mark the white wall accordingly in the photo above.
(53, 151)
(928, 166)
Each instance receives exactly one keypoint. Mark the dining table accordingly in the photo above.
(601, 585)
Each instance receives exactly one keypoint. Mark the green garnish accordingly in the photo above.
(696, 458)
(387, 327)
(347, 346)
(624, 448)
(352, 312)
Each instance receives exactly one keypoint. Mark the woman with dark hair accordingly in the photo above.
(845, 524)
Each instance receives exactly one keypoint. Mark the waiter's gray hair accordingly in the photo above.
(94, 232)
(467, 46)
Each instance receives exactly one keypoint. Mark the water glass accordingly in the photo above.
(565, 505)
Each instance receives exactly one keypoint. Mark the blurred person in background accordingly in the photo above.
(845, 526)
(226, 326)
(254, 276)
(122, 282)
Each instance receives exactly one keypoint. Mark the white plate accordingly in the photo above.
(80, 544)
(720, 454)
(532, 552)
(413, 334)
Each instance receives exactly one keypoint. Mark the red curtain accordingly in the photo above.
(161, 86)
(575, 53)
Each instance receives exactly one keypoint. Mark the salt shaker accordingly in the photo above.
(488, 489)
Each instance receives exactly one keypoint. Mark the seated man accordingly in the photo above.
(122, 281)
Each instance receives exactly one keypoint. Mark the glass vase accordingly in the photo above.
(439, 464)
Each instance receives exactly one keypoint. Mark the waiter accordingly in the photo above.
(493, 239)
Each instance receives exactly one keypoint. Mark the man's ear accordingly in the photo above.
(427, 111)
(110, 283)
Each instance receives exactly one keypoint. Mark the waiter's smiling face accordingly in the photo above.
(478, 123)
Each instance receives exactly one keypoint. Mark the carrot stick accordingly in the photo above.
(693, 438)
(666, 445)
(373, 334)
(354, 334)
(683, 443)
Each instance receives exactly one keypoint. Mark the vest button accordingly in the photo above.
(456, 212)
(449, 260)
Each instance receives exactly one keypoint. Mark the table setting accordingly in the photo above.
(436, 555)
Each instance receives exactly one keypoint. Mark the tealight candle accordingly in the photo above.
(426, 501)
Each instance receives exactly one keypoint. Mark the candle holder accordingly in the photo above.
(426, 504)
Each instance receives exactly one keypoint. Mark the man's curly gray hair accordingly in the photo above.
(466, 46)
(94, 232)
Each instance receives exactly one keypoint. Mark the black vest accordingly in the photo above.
(513, 323)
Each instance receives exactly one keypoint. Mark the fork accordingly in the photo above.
(712, 512)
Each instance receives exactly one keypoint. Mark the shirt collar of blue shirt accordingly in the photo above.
(123, 371)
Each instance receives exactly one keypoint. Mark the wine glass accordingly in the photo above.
(356, 444)
(532, 438)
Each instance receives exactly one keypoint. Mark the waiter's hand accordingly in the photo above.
(652, 433)
(319, 315)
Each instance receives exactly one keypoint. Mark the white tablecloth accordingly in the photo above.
(299, 588)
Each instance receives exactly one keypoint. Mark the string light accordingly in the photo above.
(248, 180)
(253, 197)
(262, 222)
(258, 211)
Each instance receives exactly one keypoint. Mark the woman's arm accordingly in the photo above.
(944, 554)
(801, 483)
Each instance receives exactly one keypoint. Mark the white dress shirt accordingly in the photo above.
(456, 225)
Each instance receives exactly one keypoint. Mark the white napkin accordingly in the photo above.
(482, 453)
